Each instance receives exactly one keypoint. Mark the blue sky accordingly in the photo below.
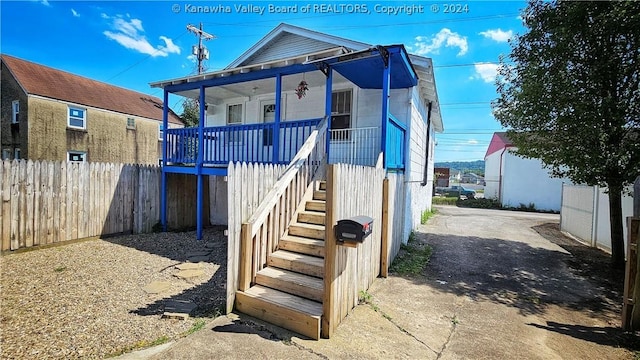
(133, 43)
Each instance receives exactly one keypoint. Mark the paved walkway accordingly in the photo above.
(495, 289)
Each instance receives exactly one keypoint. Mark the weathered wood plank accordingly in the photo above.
(5, 212)
(258, 303)
(22, 188)
(30, 198)
(56, 201)
(64, 236)
(15, 202)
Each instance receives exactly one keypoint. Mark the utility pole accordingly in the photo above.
(200, 51)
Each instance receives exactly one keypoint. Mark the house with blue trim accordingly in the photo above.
(375, 104)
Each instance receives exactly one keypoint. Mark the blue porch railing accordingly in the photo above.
(248, 143)
(395, 151)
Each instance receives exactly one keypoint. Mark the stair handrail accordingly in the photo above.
(289, 173)
(250, 228)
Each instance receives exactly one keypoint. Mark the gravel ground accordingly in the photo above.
(86, 299)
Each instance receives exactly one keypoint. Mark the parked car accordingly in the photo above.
(456, 191)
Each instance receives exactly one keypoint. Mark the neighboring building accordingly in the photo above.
(442, 176)
(49, 114)
(471, 178)
(514, 180)
(455, 176)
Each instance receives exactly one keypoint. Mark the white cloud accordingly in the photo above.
(130, 34)
(472, 142)
(486, 72)
(497, 35)
(44, 2)
(445, 37)
(75, 13)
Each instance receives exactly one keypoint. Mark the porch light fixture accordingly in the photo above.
(302, 88)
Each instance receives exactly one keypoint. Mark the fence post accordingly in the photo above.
(329, 257)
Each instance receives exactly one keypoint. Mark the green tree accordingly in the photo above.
(569, 90)
(191, 112)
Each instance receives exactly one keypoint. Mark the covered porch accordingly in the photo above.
(277, 138)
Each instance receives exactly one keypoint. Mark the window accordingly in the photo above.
(15, 111)
(268, 116)
(234, 114)
(16, 153)
(6, 154)
(77, 118)
(131, 123)
(341, 114)
(160, 131)
(234, 117)
(77, 156)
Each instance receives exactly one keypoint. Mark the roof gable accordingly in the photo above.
(51, 83)
(286, 40)
(499, 141)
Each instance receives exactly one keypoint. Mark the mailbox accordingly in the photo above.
(354, 229)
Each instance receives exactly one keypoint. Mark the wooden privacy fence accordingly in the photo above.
(247, 186)
(351, 191)
(45, 202)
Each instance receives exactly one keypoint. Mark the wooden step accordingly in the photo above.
(279, 308)
(323, 185)
(313, 247)
(305, 286)
(311, 231)
(315, 205)
(301, 263)
(319, 195)
(311, 217)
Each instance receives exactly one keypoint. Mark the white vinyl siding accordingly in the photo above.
(287, 45)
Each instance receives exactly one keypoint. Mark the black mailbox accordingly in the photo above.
(355, 229)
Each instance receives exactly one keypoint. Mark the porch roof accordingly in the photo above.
(363, 68)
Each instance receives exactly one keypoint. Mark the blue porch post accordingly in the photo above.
(327, 107)
(199, 161)
(386, 79)
(276, 123)
(163, 177)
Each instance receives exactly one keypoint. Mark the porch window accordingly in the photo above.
(341, 114)
(15, 111)
(77, 118)
(234, 117)
(131, 123)
(16, 153)
(268, 116)
(6, 154)
(77, 156)
(160, 131)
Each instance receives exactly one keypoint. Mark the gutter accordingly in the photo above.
(500, 175)
(425, 176)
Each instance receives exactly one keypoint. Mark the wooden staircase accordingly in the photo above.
(289, 291)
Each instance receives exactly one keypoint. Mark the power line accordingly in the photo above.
(140, 61)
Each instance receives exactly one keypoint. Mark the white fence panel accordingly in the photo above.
(576, 214)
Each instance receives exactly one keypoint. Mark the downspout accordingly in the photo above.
(425, 176)
(500, 176)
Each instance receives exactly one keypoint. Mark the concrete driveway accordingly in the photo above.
(497, 287)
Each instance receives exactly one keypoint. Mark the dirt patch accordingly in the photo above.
(88, 299)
